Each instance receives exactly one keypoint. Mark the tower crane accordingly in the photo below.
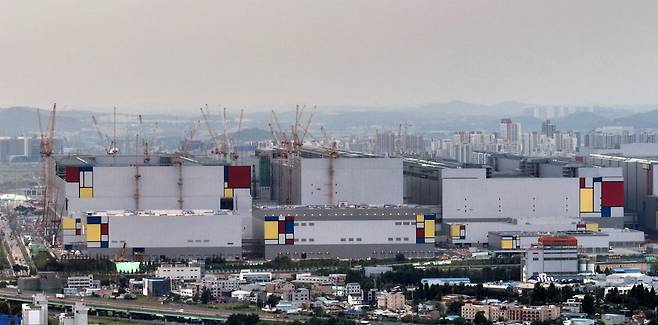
(236, 143)
(46, 151)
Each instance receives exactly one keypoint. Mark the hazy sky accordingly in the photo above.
(181, 54)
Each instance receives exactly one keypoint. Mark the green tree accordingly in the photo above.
(4, 308)
(205, 296)
(479, 318)
(588, 304)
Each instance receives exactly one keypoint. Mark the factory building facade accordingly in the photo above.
(347, 232)
(152, 234)
(640, 186)
(513, 197)
(108, 201)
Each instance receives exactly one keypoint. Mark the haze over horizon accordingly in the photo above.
(166, 56)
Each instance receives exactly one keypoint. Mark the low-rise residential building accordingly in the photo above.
(179, 272)
(391, 300)
(490, 312)
(279, 286)
(298, 295)
(511, 313)
(533, 313)
(249, 276)
(83, 282)
(218, 286)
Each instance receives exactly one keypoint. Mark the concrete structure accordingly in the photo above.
(189, 234)
(555, 256)
(37, 312)
(179, 272)
(79, 315)
(347, 231)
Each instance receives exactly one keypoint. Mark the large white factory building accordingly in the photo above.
(138, 191)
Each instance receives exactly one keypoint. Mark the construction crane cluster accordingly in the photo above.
(224, 146)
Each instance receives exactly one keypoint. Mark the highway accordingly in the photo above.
(134, 308)
(12, 245)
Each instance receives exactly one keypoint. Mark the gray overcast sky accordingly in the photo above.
(180, 54)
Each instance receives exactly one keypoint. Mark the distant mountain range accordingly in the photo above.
(439, 118)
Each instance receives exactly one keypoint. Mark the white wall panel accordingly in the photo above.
(175, 231)
(370, 232)
(530, 198)
(356, 180)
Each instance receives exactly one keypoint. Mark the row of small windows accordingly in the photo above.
(398, 239)
(350, 239)
(303, 240)
(302, 224)
(198, 241)
(403, 223)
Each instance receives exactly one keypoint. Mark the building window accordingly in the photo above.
(358, 239)
(398, 239)
(311, 223)
(343, 239)
(311, 239)
(390, 239)
(398, 223)
(351, 239)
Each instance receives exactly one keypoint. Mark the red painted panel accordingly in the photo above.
(239, 177)
(290, 241)
(282, 227)
(558, 240)
(582, 182)
(104, 229)
(78, 232)
(290, 218)
(612, 194)
(72, 174)
(420, 232)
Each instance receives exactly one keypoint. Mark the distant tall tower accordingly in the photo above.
(510, 132)
(548, 128)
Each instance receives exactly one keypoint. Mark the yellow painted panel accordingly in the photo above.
(429, 228)
(228, 193)
(506, 244)
(594, 227)
(420, 218)
(455, 230)
(68, 223)
(586, 200)
(271, 230)
(93, 232)
(86, 192)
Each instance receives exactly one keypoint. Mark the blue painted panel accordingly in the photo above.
(93, 220)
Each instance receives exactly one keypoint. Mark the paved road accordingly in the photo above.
(15, 254)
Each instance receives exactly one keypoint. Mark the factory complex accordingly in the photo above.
(336, 205)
